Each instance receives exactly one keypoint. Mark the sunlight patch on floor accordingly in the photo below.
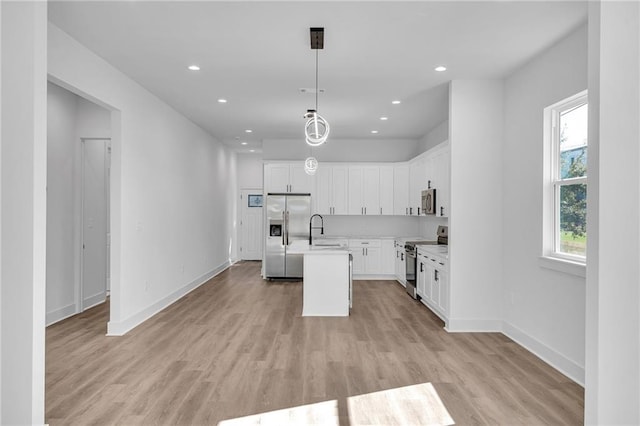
(408, 405)
(322, 413)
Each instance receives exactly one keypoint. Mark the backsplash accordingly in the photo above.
(383, 226)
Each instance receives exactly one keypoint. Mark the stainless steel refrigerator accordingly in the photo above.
(287, 221)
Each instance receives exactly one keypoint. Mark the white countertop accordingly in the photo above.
(303, 247)
(438, 250)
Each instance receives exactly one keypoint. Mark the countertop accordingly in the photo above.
(303, 247)
(435, 250)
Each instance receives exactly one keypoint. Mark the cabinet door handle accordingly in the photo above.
(418, 211)
(435, 275)
(406, 210)
(441, 211)
(429, 184)
(365, 210)
(410, 211)
(421, 267)
(380, 210)
(401, 256)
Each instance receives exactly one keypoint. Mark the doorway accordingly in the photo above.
(95, 248)
(251, 236)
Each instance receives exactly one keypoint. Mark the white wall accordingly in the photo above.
(23, 204)
(70, 118)
(172, 191)
(437, 135)
(341, 150)
(543, 309)
(613, 270)
(475, 236)
(250, 170)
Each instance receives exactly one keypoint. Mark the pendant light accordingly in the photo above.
(310, 166)
(316, 129)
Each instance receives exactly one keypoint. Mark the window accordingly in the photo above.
(566, 125)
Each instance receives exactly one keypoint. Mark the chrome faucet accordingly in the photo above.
(311, 228)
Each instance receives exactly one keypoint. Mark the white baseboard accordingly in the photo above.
(94, 300)
(552, 357)
(374, 277)
(464, 325)
(60, 314)
(120, 328)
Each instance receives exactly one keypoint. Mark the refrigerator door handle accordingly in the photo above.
(284, 227)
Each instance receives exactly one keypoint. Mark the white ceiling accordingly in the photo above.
(257, 56)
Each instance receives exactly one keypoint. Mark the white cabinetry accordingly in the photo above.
(367, 256)
(287, 178)
(386, 190)
(388, 257)
(401, 189)
(332, 190)
(416, 185)
(364, 190)
(400, 263)
(438, 172)
(422, 276)
(433, 276)
(442, 167)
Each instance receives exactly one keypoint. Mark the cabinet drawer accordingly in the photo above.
(364, 243)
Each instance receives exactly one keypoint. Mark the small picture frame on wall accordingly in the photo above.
(254, 200)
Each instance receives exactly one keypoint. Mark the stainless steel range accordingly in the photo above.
(411, 254)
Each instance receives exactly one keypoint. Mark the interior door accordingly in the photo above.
(95, 229)
(251, 224)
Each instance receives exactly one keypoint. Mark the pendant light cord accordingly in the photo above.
(317, 80)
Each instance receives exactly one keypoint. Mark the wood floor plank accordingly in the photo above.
(238, 346)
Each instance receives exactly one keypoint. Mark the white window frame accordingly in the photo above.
(551, 256)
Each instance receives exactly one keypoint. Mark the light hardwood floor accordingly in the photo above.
(237, 346)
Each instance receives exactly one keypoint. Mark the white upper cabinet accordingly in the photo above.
(438, 177)
(401, 189)
(364, 190)
(386, 190)
(331, 196)
(287, 178)
(417, 174)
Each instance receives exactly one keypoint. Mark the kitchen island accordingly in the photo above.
(326, 290)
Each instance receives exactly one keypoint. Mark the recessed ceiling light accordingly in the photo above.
(374, 131)
(252, 150)
(384, 118)
(193, 68)
(440, 68)
(243, 143)
(248, 131)
(396, 102)
(222, 101)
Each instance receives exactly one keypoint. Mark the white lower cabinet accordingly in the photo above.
(422, 277)
(388, 257)
(400, 263)
(433, 283)
(367, 256)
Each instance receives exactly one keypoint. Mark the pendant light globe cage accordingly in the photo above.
(311, 166)
(317, 129)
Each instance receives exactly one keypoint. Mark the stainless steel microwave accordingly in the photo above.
(429, 201)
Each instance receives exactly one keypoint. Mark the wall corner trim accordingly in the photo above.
(121, 328)
(552, 357)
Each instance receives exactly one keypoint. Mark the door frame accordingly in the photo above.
(241, 202)
(79, 284)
